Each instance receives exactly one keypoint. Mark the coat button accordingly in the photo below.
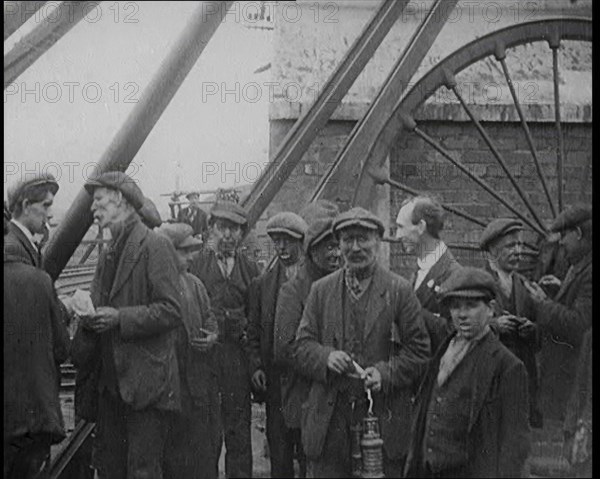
(438, 399)
(330, 403)
(429, 450)
(431, 433)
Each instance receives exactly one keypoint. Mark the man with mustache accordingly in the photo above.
(565, 318)
(286, 230)
(514, 317)
(360, 315)
(321, 258)
(418, 226)
(471, 408)
(227, 274)
(127, 346)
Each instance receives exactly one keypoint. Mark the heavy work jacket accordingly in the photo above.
(395, 342)
(146, 293)
(436, 318)
(564, 322)
(36, 341)
(17, 245)
(290, 305)
(497, 441)
(264, 291)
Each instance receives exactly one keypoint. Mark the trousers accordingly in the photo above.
(27, 457)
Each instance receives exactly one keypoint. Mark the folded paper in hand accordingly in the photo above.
(81, 302)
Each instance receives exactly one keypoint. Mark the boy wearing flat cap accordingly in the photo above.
(361, 329)
(194, 215)
(194, 437)
(514, 317)
(30, 204)
(471, 408)
(227, 274)
(565, 318)
(286, 231)
(128, 343)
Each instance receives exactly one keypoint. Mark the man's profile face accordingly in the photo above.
(570, 241)
(105, 207)
(406, 231)
(226, 235)
(326, 254)
(288, 249)
(506, 251)
(36, 215)
(359, 246)
(469, 316)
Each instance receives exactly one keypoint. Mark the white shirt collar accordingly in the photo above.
(432, 257)
(25, 231)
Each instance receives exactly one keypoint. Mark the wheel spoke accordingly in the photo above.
(451, 84)
(554, 42)
(381, 178)
(501, 57)
(410, 124)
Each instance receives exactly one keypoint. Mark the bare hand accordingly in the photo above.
(203, 345)
(339, 362)
(549, 280)
(536, 291)
(507, 323)
(373, 379)
(527, 328)
(105, 319)
(259, 380)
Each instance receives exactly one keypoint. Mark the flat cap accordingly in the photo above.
(181, 235)
(117, 180)
(16, 189)
(318, 209)
(358, 217)
(287, 223)
(498, 228)
(468, 282)
(571, 217)
(230, 211)
(317, 231)
(149, 214)
(192, 193)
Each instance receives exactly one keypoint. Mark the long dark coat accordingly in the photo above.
(36, 341)
(146, 293)
(396, 343)
(498, 430)
(436, 318)
(290, 305)
(563, 322)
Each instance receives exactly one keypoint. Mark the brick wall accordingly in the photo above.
(418, 165)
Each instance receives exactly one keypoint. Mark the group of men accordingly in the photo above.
(187, 331)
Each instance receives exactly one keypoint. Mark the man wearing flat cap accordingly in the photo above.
(227, 274)
(128, 343)
(194, 437)
(418, 226)
(320, 259)
(565, 318)
(286, 230)
(30, 204)
(361, 329)
(194, 215)
(514, 318)
(471, 410)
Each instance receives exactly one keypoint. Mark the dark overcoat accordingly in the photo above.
(290, 305)
(36, 341)
(435, 316)
(498, 430)
(563, 322)
(146, 293)
(395, 342)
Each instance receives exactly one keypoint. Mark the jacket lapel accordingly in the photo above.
(484, 365)
(381, 298)
(424, 292)
(574, 274)
(129, 257)
(335, 302)
(34, 255)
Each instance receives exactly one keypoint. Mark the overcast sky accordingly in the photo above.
(65, 109)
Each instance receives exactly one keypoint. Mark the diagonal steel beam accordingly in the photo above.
(42, 37)
(364, 134)
(138, 125)
(17, 13)
(306, 128)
